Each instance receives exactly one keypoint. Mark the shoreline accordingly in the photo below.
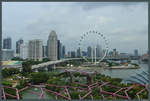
(113, 67)
(122, 67)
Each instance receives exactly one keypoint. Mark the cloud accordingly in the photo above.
(121, 23)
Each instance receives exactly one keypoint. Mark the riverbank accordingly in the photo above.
(122, 67)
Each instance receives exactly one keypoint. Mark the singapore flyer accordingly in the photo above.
(96, 44)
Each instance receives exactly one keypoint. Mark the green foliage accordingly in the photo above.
(17, 59)
(46, 60)
(6, 83)
(135, 64)
(6, 72)
(10, 91)
(22, 84)
(26, 68)
(74, 94)
(56, 81)
(110, 64)
(39, 77)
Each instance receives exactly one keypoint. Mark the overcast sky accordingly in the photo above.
(125, 25)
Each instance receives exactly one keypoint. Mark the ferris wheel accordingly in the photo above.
(100, 36)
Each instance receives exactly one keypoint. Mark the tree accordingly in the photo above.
(26, 67)
(6, 72)
(39, 77)
(17, 59)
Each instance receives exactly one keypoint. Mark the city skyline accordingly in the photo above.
(123, 28)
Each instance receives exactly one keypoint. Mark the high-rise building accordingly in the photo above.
(73, 54)
(89, 51)
(98, 51)
(7, 54)
(79, 52)
(115, 53)
(18, 44)
(7, 43)
(63, 51)
(24, 51)
(59, 50)
(84, 53)
(111, 53)
(135, 52)
(52, 45)
(44, 51)
(69, 54)
(35, 49)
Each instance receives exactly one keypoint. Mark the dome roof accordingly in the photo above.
(52, 34)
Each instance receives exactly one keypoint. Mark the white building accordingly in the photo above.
(99, 52)
(7, 54)
(35, 50)
(24, 51)
(52, 45)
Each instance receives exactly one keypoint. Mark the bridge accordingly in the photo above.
(51, 64)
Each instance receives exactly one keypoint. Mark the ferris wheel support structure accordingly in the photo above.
(93, 49)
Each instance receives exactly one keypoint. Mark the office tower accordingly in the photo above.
(78, 52)
(7, 54)
(84, 53)
(59, 50)
(63, 51)
(24, 51)
(89, 51)
(18, 44)
(111, 53)
(7, 43)
(73, 54)
(135, 52)
(98, 51)
(52, 46)
(35, 49)
(44, 51)
(115, 53)
(69, 54)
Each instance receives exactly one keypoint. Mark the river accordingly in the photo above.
(125, 74)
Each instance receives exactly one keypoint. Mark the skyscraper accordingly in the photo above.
(115, 53)
(44, 51)
(24, 51)
(7, 54)
(98, 51)
(63, 51)
(89, 51)
(52, 46)
(59, 50)
(18, 44)
(73, 54)
(35, 49)
(7, 43)
(78, 52)
(135, 52)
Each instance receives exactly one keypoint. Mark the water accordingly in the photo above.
(125, 74)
